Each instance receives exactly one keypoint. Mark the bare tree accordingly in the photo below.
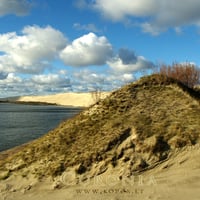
(96, 94)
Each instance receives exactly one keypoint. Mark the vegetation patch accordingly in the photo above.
(133, 128)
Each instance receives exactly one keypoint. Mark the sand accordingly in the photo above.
(66, 99)
(176, 178)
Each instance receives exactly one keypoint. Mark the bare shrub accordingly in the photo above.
(187, 73)
(96, 94)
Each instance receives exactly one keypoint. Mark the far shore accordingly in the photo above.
(29, 102)
(63, 99)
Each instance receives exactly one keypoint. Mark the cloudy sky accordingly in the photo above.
(49, 46)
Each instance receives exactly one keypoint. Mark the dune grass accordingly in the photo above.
(163, 113)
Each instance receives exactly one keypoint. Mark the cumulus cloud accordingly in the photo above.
(128, 77)
(126, 61)
(81, 80)
(48, 83)
(31, 51)
(127, 56)
(16, 7)
(52, 79)
(11, 78)
(14, 85)
(87, 50)
(88, 76)
(88, 80)
(34, 49)
(156, 15)
(10, 85)
(125, 8)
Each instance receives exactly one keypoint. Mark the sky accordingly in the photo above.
(49, 46)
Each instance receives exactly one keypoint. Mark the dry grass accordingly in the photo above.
(162, 112)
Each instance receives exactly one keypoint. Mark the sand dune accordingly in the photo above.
(66, 99)
(142, 143)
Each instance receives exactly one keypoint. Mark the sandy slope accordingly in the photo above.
(176, 178)
(67, 99)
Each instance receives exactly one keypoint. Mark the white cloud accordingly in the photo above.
(52, 79)
(14, 85)
(86, 27)
(12, 78)
(11, 85)
(151, 28)
(17, 7)
(127, 61)
(156, 15)
(81, 80)
(117, 64)
(25, 59)
(31, 51)
(87, 80)
(87, 50)
(89, 77)
(117, 10)
(128, 77)
(48, 83)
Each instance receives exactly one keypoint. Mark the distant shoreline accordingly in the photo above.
(69, 99)
(29, 103)
(39, 103)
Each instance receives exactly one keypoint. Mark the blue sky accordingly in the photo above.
(49, 46)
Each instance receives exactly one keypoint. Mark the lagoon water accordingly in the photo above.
(21, 123)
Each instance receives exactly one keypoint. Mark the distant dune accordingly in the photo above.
(66, 99)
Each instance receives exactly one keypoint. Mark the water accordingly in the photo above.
(22, 123)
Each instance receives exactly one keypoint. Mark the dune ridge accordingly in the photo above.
(141, 142)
